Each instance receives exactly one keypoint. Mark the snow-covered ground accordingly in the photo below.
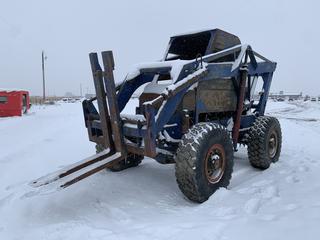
(282, 202)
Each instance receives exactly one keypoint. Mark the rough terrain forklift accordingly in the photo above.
(195, 107)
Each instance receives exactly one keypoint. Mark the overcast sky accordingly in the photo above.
(287, 32)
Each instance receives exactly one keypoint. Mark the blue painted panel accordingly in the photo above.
(220, 70)
(247, 121)
(168, 110)
(262, 68)
(200, 106)
(175, 131)
(267, 79)
(129, 87)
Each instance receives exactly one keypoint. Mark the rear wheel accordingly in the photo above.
(204, 161)
(132, 160)
(264, 142)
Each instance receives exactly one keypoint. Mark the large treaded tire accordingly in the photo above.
(261, 133)
(191, 160)
(132, 160)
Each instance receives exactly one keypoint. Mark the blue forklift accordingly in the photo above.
(196, 106)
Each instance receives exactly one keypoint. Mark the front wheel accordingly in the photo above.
(204, 161)
(264, 142)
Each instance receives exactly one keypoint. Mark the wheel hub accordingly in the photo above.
(273, 144)
(215, 163)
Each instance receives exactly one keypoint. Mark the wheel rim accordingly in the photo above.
(273, 144)
(215, 163)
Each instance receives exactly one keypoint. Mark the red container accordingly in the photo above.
(14, 102)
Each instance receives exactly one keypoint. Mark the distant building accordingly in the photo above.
(69, 94)
(281, 96)
(307, 98)
(13, 102)
(89, 95)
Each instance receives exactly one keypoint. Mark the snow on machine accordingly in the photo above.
(195, 107)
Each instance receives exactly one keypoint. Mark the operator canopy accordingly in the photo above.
(190, 45)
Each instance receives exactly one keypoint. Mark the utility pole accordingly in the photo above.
(80, 90)
(43, 57)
